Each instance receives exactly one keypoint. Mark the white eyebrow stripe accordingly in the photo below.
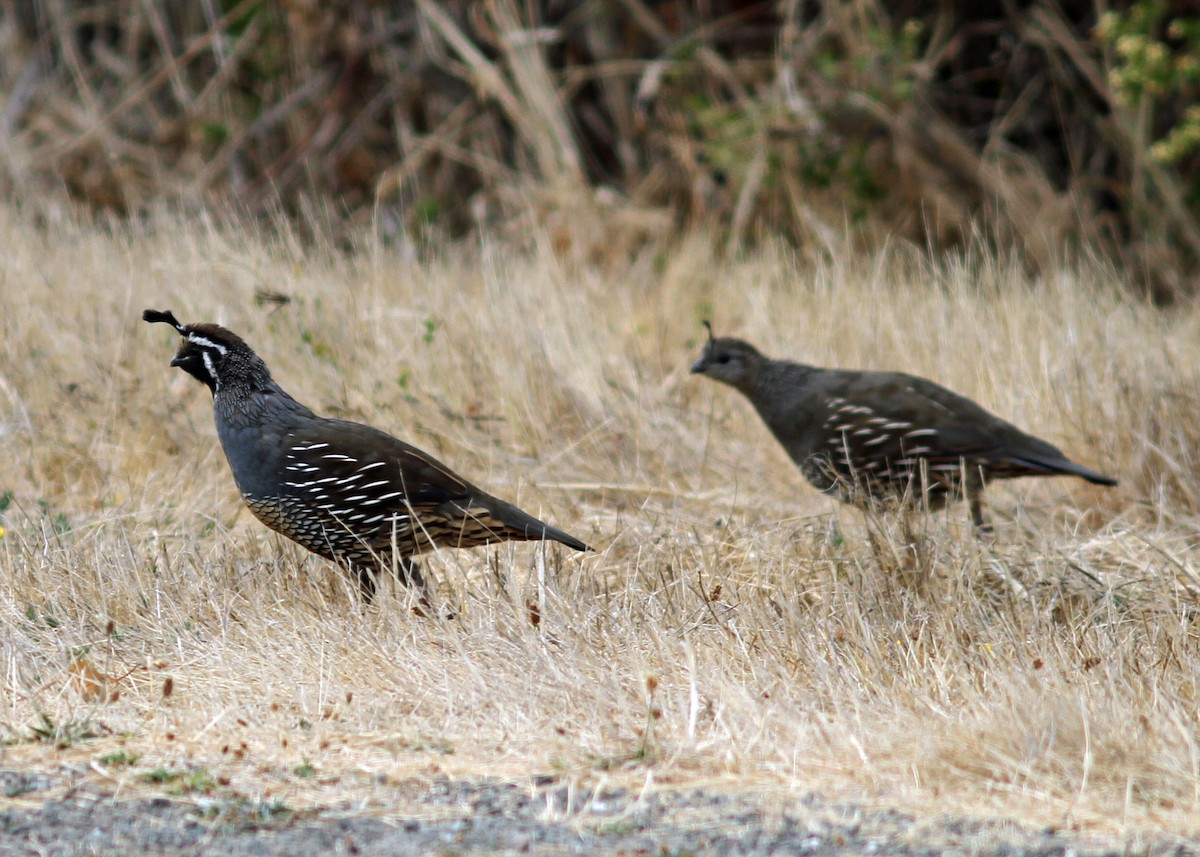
(208, 343)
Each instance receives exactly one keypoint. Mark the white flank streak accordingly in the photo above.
(308, 448)
(921, 433)
(876, 441)
(864, 431)
(376, 484)
(208, 343)
(893, 426)
(355, 498)
(844, 427)
(383, 497)
(297, 484)
(336, 457)
(373, 464)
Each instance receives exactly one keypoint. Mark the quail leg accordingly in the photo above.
(973, 488)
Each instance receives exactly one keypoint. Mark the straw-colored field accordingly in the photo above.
(734, 630)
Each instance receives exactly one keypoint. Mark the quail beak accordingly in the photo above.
(698, 366)
(177, 361)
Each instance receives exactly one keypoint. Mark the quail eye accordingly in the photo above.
(723, 358)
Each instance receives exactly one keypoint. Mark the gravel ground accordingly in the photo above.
(443, 816)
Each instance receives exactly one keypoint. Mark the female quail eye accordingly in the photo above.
(723, 358)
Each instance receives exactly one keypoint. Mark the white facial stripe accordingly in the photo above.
(207, 343)
(208, 364)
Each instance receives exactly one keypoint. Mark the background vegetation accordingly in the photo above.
(981, 193)
(1045, 125)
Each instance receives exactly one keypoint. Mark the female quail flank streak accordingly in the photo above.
(865, 436)
(347, 492)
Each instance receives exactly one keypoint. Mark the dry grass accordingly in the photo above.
(734, 629)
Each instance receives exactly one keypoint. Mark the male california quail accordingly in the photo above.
(347, 492)
(865, 436)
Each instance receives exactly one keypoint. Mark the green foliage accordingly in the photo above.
(58, 520)
(119, 759)
(1156, 67)
(319, 349)
(196, 781)
(63, 734)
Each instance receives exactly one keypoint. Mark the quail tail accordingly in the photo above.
(1061, 465)
(523, 525)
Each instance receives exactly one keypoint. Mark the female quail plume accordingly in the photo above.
(347, 492)
(866, 436)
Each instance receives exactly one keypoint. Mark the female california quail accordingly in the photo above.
(865, 436)
(347, 492)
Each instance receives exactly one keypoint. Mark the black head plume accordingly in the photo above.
(705, 322)
(166, 317)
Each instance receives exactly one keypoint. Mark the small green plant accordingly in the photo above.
(119, 759)
(199, 780)
(58, 520)
(305, 770)
(318, 348)
(63, 734)
(160, 776)
(431, 326)
(182, 782)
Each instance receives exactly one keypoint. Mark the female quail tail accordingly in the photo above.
(865, 436)
(347, 492)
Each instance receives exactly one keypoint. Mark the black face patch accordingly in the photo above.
(199, 361)
(204, 350)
